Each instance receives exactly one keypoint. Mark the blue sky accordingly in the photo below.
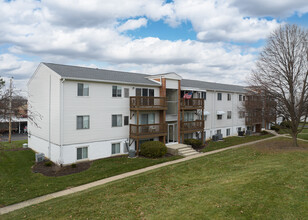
(210, 40)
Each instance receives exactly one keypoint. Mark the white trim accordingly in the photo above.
(221, 112)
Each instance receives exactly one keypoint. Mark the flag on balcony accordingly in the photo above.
(187, 95)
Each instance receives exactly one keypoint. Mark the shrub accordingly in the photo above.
(74, 165)
(153, 149)
(285, 124)
(48, 163)
(275, 128)
(193, 142)
(264, 132)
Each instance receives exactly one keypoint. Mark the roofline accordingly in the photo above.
(108, 81)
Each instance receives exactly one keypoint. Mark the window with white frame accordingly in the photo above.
(203, 95)
(82, 153)
(239, 129)
(240, 97)
(116, 120)
(115, 148)
(82, 89)
(229, 114)
(218, 131)
(241, 114)
(116, 91)
(228, 131)
(219, 96)
(229, 97)
(83, 122)
(126, 92)
(244, 97)
(219, 117)
(126, 120)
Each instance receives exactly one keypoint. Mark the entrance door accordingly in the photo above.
(172, 133)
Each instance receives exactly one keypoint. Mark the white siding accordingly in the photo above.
(100, 106)
(39, 103)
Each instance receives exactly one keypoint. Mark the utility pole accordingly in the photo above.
(10, 110)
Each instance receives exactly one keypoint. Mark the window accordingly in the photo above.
(115, 148)
(82, 89)
(241, 114)
(229, 97)
(126, 92)
(203, 95)
(147, 118)
(188, 116)
(244, 98)
(188, 136)
(219, 96)
(116, 91)
(144, 92)
(240, 97)
(229, 113)
(218, 131)
(116, 120)
(83, 122)
(219, 117)
(239, 129)
(205, 117)
(126, 121)
(228, 132)
(82, 153)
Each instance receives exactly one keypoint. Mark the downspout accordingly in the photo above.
(49, 119)
(61, 120)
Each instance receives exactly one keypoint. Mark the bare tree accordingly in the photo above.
(282, 72)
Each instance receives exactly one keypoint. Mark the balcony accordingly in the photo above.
(191, 104)
(147, 103)
(147, 131)
(192, 126)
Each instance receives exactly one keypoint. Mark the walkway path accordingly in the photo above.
(47, 197)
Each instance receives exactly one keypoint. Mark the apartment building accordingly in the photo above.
(88, 113)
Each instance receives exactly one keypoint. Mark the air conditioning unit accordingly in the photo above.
(215, 137)
(39, 157)
(219, 136)
(25, 146)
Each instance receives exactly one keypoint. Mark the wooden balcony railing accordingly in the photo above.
(192, 126)
(147, 131)
(188, 104)
(147, 103)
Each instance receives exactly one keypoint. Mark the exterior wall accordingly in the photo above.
(44, 99)
(41, 146)
(100, 106)
(212, 105)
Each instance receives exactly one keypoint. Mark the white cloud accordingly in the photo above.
(133, 24)
(218, 21)
(273, 8)
(88, 32)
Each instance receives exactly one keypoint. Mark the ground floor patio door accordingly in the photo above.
(172, 133)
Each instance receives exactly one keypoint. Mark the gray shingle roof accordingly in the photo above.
(76, 72)
(212, 86)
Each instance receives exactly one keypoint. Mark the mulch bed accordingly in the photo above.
(55, 170)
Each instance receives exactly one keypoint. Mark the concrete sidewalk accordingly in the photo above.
(47, 197)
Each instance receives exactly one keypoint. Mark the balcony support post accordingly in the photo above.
(202, 133)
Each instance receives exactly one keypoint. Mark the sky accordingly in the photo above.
(217, 41)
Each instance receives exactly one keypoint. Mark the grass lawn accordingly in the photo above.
(230, 141)
(265, 181)
(302, 135)
(14, 144)
(19, 183)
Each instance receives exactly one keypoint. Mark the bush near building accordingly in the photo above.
(153, 149)
(195, 143)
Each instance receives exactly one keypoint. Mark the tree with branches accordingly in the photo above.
(282, 72)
